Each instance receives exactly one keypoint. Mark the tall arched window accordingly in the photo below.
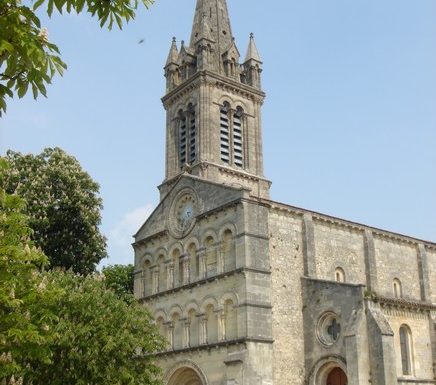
(194, 328)
(187, 136)
(228, 250)
(238, 153)
(397, 288)
(405, 347)
(212, 324)
(162, 285)
(211, 257)
(231, 327)
(194, 261)
(231, 135)
(177, 325)
(225, 133)
(146, 276)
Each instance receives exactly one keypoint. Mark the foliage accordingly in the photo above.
(101, 339)
(27, 58)
(63, 205)
(119, 278)
(24, 331)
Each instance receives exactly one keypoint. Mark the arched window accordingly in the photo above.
(230, 317)
(238, 153)
(397, 288)
(225, 132)
(212, 325)
(405, 347)
(228, 251)
(162, 283)
(146, 277)
(339, 275)
(187, 136)
(194, 328)
(160, 324)
(211, 257)
(177, 324)
(231, 135)
(194, 261)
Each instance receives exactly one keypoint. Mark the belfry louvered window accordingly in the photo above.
(237, 138)
(231, 135)
(187, 136)
(225, 133)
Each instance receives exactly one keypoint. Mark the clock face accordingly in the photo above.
(185, 212)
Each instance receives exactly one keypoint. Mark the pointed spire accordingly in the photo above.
(212, 17)
(252, 52)
(173, 56)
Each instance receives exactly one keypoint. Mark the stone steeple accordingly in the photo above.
(215, 14)
(213, 105)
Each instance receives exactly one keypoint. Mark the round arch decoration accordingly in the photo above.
(185, 373)
(322, 369)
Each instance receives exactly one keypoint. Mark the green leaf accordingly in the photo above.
(23, 90)
(37, 4)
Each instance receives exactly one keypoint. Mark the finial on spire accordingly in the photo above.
(173, 56)
(252, 52)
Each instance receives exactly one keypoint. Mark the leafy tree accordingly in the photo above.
(63, 205)
(119, 278)
(27, 58)
(24, 331)
(101, 339)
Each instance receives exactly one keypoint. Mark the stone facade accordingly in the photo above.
(249, 291)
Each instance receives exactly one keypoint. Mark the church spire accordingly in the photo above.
(252, 52)
(213, 15)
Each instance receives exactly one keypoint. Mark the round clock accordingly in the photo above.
(183, 212)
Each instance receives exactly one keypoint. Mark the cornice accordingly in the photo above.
(216, 345)
(215, 80)
(298, 211)
(204, 281)
(404, 304)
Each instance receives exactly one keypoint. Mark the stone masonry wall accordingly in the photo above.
(421, 346)
(339, 247)
(431, 259)
(286, 253)
(397, 260)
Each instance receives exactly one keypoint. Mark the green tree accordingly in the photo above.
(119, 278)
(63, 204)
(101, 339)
(24, 324)
(27, 58)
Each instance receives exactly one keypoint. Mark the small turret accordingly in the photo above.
(172, 67)
(204, 45)
(253, 65)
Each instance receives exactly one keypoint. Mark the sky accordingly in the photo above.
(349, 123)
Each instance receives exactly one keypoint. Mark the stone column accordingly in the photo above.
(202, 264)
(154, 279)
(220, 258)
(170, 275)
(187, 334)
(221, 318)
(185, 269)
(203, 330)
(170, 334)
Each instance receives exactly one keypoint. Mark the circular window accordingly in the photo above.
(329, 329)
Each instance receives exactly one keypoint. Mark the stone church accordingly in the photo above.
(250, 291)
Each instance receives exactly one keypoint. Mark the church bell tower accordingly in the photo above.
(213, 105)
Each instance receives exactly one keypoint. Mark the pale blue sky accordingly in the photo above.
(349, 120)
